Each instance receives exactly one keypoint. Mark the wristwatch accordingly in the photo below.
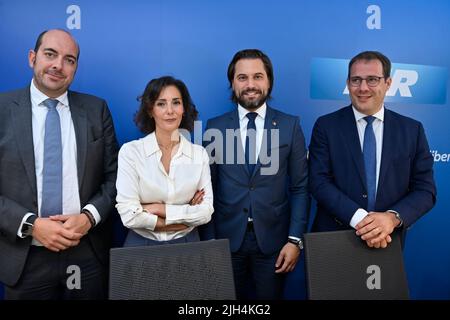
(27, 226)
(397, 216)
(298, 243)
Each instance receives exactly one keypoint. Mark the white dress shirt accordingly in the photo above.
(378, 126)
(142, 179)
(259, 123)
(71, 197)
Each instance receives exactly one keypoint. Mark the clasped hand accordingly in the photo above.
(60, 232)
(376, 229)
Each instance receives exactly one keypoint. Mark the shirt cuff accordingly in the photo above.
(150, 219)
(94, 211)
(357, 217)
(25, 217)
(174, 214)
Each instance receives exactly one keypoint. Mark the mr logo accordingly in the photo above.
(374, 280)
(401, 81)
(74, 280)
(411, 83)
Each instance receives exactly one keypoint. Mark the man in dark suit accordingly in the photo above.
(370, 168)
(259, 175)
(58, 161)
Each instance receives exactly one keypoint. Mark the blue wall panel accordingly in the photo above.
(124, 44)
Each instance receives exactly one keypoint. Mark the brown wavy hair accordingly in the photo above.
(142, 118)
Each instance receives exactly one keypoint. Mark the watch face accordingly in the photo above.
(27, 229)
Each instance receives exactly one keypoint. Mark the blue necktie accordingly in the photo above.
(370, 162)
(52, 173)
(250, 146)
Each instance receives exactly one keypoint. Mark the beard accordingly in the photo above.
(254, 103)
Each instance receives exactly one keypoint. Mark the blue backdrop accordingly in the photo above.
(124, 44)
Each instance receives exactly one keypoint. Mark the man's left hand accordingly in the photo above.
(287, 259)
(78, 223)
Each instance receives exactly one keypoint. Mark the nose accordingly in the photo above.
(363, 85)
(250, 83)
(169, 108)
(58, 63)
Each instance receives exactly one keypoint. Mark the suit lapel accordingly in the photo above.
(388, 146)
(78, 113)
(23, 131)
(352, 138)
(238, 149)
(270, 123)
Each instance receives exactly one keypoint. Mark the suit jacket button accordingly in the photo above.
(252, 188)
(364, 196)
(245, 210)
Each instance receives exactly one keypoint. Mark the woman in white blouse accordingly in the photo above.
(163, 182)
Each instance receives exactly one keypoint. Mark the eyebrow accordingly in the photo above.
(366, 76)
(245, 74)
(162, 99)
(54, 51)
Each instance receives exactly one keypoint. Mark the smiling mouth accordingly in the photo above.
(251, 94)
(56, 76)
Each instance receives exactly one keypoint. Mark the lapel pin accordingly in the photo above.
(274, 123)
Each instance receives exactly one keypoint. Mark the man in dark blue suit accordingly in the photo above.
(370, 168)
(259, 175)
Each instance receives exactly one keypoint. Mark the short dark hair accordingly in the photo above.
(372, 55)
(152, 91)
(250, 54)
(41, 36)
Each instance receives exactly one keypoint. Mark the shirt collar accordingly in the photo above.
(358, 115)
(151, 146)
(37, 96)
(261, 111)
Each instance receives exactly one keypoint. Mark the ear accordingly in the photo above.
(31, 58)
(388, 82)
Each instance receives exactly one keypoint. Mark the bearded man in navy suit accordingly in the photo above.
(260, 180)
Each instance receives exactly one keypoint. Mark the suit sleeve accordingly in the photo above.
(298, 186)
(11, 214)
(323, 189)
(421, 196)
(104, 199)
